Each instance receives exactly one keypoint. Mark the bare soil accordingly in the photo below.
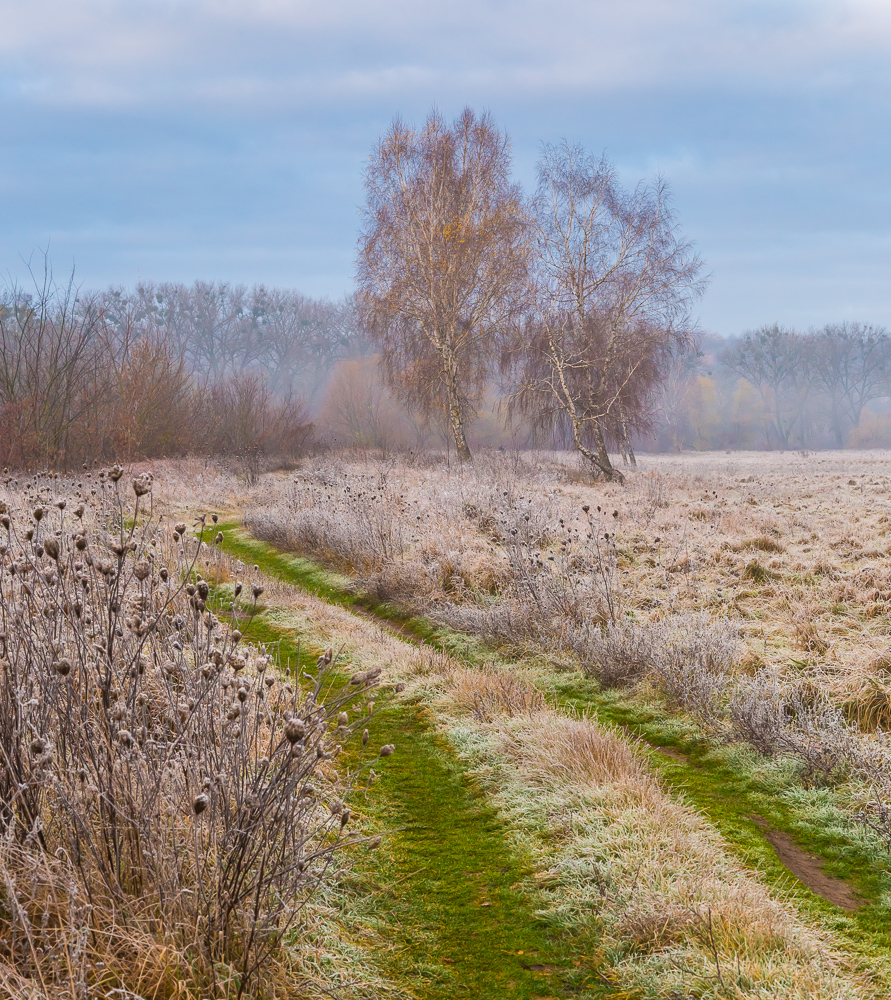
(809, 869)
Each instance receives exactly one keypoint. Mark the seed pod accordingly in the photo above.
(51, 548)
(200, 803)
(38, 746)
(365, 737)
(242, 694)
(256, 590)
(294, 730)
(62, 667)
(125, 737)
(343, 719)
(80, 543)
(345, 818)
(141, 570)
(179, 528)
(163, 573)
(115, 473)
(219, 538)
(38, 513)
(203, 589)
(387, 749)
(238, 589)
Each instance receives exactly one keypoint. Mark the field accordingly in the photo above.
(639, 730)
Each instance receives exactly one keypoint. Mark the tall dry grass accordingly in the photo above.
(732, 584)
(166, 806)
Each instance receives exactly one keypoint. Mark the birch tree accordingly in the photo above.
(442, 261)
(614, 284)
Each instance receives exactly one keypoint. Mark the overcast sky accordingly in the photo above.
(225, 139)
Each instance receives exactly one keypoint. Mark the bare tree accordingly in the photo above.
(442, 260)
(773, 360)
(614, 284)
(851, 363)
(51, 372)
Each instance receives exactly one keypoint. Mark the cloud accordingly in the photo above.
(102, 52)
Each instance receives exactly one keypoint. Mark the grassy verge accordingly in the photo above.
(441, 906)
(726, 785)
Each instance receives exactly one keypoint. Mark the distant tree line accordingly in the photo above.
(780, 388)
(162, 369)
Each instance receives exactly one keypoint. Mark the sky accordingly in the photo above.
(176, 140)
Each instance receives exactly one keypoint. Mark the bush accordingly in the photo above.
(164, 806)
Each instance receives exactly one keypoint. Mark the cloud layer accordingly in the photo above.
(205, 138)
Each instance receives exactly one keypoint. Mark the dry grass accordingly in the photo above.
(166, 809)
(609, 844)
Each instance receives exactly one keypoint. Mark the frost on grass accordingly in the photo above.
(167, 811)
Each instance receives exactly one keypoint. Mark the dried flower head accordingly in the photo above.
(294, 730)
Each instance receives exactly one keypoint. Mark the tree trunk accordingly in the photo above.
(600, 459)
(456, 417)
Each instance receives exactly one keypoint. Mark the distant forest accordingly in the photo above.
(214, 368)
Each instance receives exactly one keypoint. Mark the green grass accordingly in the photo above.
(730, 787)
(727, 791)
(445, 892)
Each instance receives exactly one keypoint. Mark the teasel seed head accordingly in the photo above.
(200, 803)
(365, 738)
(256, 590)
(62, 667)
(294, 730)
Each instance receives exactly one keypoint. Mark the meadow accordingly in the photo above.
(654, 715)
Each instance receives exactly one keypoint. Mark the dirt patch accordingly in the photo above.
(808, 869)
(673, 754)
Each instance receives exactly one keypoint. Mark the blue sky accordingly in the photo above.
(184, 139)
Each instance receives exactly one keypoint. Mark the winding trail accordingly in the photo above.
(448, 884)
(445, 894)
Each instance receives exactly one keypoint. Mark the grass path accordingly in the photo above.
(729, 797)
(445, 890)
